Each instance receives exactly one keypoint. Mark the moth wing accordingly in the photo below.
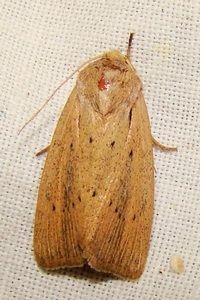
(121, 239)
(55, 233)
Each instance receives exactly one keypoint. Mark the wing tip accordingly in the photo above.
(50, 262)
(117, 270)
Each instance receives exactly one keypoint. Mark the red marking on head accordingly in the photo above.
(103, 84)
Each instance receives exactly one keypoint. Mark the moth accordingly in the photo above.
(95, 200)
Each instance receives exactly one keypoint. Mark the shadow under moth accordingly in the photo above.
(95, 200)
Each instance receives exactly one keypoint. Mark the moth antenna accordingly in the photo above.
(56, 89)
(45, 103)
(129, 45)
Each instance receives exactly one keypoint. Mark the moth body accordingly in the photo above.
(95, 201)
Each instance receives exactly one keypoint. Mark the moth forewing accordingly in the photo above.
(55, 235)
(121, 240)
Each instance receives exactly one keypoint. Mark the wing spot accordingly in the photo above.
(53, 207)
(71, 146)
(73, 204)
(130, 114)
(131, 153)
(119, 215)
(94, 194)
(112, 144)
(48, 196)
(134, 217)
(65, 192)
(110, 203)
(79, 198)
(91, 140)
(116, 209)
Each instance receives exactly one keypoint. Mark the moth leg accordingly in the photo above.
(161, 146)
(43, 150)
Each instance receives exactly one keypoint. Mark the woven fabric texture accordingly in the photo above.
(43, 41)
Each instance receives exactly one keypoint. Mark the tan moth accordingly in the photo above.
(95, 201)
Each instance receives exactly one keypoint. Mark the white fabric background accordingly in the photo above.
(41, 42)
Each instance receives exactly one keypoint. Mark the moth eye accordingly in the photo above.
(103, 84)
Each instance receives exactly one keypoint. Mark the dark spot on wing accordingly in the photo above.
(131, 154)
(94, 194)
(91, 140)
(130, 114)
(112, 144)
(48, 195)
(53, 207)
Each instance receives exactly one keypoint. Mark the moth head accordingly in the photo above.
(114, 55)
(108, 82)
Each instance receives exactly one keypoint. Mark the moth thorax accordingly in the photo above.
(107, 85)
